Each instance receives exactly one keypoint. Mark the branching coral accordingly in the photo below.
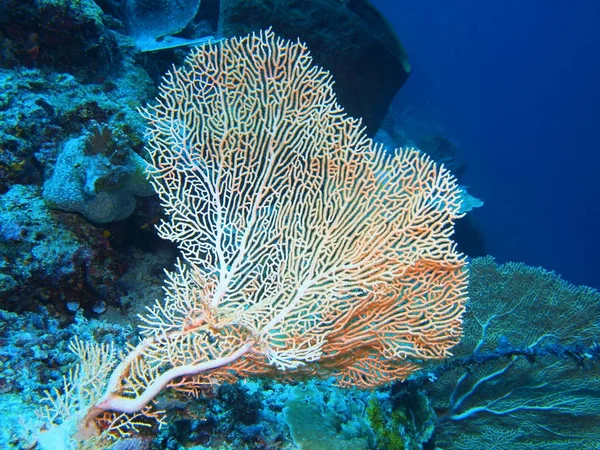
(308, 250)
(527, 365)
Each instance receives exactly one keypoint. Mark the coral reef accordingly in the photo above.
(54, 260)
(71, 81)
(95, 179)
(40, 110)
(334, 422)
(528, 363)
(404, 420)
(492, 371)
(67, 36)
(48, 257)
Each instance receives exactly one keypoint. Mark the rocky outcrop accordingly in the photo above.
(349, 38)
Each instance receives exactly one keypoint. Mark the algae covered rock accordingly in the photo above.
(98, 183)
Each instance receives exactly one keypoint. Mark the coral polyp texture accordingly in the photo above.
(307, 250)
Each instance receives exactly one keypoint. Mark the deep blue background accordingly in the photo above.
(516, 84)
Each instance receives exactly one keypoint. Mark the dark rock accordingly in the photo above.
(62, 35)
(351, 39)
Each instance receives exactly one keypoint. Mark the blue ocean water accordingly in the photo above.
(515, 85)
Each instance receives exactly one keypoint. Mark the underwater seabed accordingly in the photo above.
(524, 376)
